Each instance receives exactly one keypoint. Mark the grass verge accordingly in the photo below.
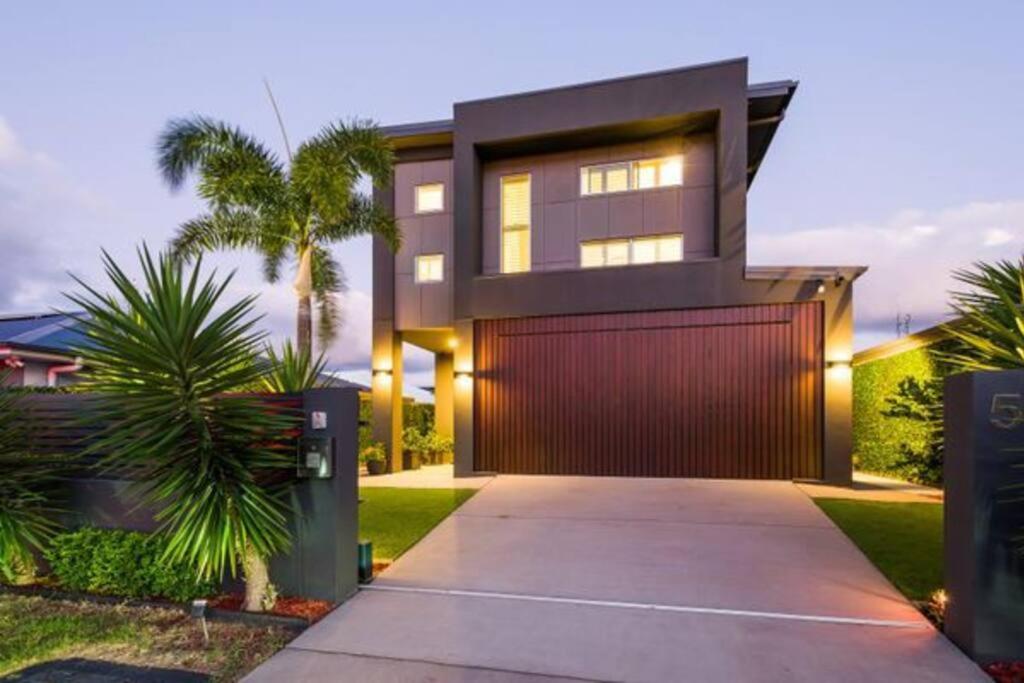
(904, 540)
(39, 629)
(394, 519)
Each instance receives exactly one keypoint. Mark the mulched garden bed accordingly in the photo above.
(1006, 672)
(311, 611)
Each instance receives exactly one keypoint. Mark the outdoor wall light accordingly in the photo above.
(838, 364)
(821, 286)
(382, 374)
(463, 377)
(453, 343)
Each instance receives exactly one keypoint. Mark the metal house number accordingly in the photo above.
(1007, 411)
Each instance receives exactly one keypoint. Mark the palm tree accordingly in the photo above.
(167, 367)
(288, 214)
(28, 488)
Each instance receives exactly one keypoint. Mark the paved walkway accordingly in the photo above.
(426, 477)
(600, 579)
(877, 488)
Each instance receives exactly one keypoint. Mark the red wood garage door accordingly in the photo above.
(726, 392)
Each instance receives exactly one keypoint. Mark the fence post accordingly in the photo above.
(984, 563)
(323, 560)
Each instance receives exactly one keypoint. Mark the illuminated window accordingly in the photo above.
(430, 268)
(430, 198)
(660, 249)
(631, 175)
(515, 223)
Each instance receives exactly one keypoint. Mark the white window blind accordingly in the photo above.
(515, 223)
(624, 176)
(430, 198)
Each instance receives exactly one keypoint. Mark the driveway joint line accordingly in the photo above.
(433, 662)
(654, 607)
(644, 520)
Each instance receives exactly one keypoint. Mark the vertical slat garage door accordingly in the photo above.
(726, 392)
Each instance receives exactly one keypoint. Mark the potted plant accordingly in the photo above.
(412, 449)
(445, 448)
(375, 458)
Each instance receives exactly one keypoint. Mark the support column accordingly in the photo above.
(387, 391)
(838, 427)
(444, 406)
(463, 387)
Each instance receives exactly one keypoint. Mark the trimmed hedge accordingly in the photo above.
(877, 438)
(123, 563)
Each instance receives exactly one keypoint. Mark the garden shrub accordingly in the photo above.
(124, 563)
(881, 441)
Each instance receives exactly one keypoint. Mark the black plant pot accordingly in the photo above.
(375, 467)
(411, 460)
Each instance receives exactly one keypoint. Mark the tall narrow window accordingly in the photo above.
(430, 268)
(430, 198)
(515, 223)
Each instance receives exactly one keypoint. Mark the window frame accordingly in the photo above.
(657, 239)
(416, 198)
(416, 268)
(527, 227)
(633, 175)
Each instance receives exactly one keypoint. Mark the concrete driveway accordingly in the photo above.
(565, 578)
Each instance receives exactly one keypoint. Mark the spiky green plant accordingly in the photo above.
(165, 363)
(291, 371)
(990, 325)
(292, 213)
(28, 488)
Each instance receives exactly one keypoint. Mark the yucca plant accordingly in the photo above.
(291, 371)
(989, 330)
(166, 366)
(28, 490)
(292, 213)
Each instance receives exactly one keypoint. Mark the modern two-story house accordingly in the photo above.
(576, 259)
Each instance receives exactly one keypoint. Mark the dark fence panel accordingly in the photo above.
(322, 563)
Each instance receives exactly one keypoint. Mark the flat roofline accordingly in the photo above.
(804, 273)
(606, 81)
(442, 126)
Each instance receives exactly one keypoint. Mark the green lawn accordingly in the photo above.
(904, 540)
(395, 518)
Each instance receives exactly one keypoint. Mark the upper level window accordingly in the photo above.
(639, 250)
(430, 198)
(515, 223)
(430, 268)
(623, 176)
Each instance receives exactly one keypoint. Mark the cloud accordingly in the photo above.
(910, 256)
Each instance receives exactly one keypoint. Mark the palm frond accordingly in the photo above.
(363, 217)
(29, 509)
(292, 370)
(990, 327)
(165, 357)
(234, 168)
(363, 145)
(223, 229)
(329, 283)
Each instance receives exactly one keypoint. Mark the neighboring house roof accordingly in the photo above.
(56, 333)
(910, 342)
(766, 108)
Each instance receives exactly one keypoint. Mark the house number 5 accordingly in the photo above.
(1007, 411)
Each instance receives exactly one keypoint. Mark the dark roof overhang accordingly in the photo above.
(766, 108)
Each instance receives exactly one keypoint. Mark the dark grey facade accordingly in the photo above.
(710, 115)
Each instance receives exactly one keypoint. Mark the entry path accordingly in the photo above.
(604, 579)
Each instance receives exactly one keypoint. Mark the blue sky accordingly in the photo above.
(902, 149)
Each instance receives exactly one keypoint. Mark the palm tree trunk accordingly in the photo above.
(257, 580)
(304, 326)
(303, 289)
